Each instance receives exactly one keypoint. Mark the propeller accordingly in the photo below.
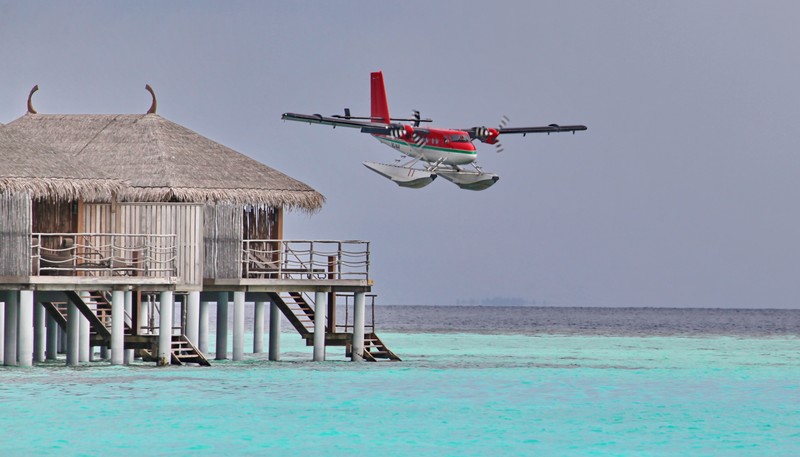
(490, 135)
(503, 123)
(417, 118)
(397, 131)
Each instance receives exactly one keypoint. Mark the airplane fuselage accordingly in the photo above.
(445, 147)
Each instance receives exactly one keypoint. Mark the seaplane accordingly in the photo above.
(429, 152)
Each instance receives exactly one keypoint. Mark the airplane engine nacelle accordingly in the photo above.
(486, 135)
(409, 132)
(491, 136)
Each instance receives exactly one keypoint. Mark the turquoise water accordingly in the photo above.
(454, 394)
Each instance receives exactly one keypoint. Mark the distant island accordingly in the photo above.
(500, 301)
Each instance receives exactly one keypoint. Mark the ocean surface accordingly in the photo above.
(474, 381)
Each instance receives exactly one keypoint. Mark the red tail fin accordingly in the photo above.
(380, 108)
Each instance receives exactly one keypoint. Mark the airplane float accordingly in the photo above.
(443, 152)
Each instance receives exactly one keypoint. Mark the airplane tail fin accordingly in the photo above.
(380, 108)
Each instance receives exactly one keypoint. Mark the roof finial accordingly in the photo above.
(30, 95)
(152, 109)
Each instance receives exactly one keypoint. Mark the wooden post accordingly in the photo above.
(331, 325)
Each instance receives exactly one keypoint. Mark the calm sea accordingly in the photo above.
(474, 381)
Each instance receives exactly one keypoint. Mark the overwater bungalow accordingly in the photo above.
(108, 221)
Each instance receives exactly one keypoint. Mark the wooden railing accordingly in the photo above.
(349, 312)
(305, 259)
(103, 254)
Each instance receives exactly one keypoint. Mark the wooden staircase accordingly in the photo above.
(300, 314)
(183, 351)
(297, 310)
(97, 309)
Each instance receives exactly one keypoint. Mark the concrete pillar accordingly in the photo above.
(202, 328)
(127, 354)
(222, 326)
(144, 317)
(274, 332)
(358, 327)
(2, 325)
(11, 323)
(258, 327)
(39, 332)
(73, 330)
(51, 351)
(117, 327)
(193, 316)
(238, 326)
(62, 339)
(84, 349)
(165, 329)
(83, 340)
(25, 329)
(320, 308)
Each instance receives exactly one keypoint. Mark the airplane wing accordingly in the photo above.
(543, 129)
(483, 132)
(374, 128)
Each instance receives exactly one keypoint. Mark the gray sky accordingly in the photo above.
(683, 192)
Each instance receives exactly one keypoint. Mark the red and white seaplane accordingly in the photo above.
(443, 151)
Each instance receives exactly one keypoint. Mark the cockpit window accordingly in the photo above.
(459, 138)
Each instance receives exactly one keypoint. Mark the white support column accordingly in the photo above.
(193, 316)
(222, 326)
(320, 308)
(258, 327)
(73, 331)
(25, 329)
(85, 331)
(39, 332)
(202, 329)
(274, 332)
(144, 317)
(62, 339)
(358, 327)
(12, 308)
(238, 325)
(117, 327)
(165, 329)
(127, 355)
(52, 338)
(3, 325)
(83, 340)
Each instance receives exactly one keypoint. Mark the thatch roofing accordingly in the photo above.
(164, 161)
(36, 169)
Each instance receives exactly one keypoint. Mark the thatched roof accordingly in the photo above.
(164, 161)
(33, 168)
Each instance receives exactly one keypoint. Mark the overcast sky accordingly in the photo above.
(683, 192)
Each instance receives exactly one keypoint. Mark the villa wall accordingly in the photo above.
(15, 234)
